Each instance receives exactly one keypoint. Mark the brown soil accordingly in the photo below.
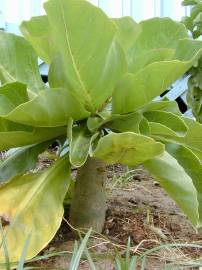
(137, 208)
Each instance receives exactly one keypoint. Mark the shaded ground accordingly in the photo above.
(137, 208)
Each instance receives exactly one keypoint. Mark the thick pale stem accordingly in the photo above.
(88, 205)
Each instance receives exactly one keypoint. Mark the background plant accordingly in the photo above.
(103, 77)
(194, 25)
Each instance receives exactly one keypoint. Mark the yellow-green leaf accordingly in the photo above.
(127, 148)
(90, 61)
(32, 205)
(176, 182)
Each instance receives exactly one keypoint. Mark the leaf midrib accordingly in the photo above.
(88, 97)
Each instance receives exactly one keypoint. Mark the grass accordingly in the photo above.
(126, 260)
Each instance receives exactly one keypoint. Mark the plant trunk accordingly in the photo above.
(88, 205)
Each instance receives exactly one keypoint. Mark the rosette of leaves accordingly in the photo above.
(103, 77)
(194, 25)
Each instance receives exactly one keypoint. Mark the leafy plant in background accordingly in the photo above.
(103, 77)
(194, 25)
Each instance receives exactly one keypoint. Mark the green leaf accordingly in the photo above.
(21, 160)
(194, 99)
(37, 31)
(153, 80)
(192, 167)
(20, 201)
(127, 148)
(11, 96)
(158, 130)
(89, 61)
(159, 56)
(18, 62)
(192, 139)
(172, 177)
(148, 57)
(163, 105)
(157, 42)
(194, 22)
(133, 122)
(153, 40)
(17, 138)
(94, 123)
(124, 123)
(144, 127)
(127, 31)
(168, 119)
(51, 108)
(80, 142)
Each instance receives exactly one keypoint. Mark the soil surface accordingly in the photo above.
(137, 208)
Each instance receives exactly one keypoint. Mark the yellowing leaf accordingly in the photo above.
(32, 205)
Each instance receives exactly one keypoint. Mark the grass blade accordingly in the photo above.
(23, 255)
(3, 244)
(77, 257)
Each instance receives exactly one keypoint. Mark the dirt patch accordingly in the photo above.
(137, 208)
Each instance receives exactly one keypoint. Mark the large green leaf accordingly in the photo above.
(192, 167)
(157, 34)
(12, 134)
(37, 31)
(127, 31)
(32, 205)
(156, 41)
(173, 122)
(11, 96)
(192, 139)
(89, 61)
(80, 140)
(50, 108)
(162, 105)
(18, 62)
(158, 130)
(134, 91)
(176, 182)
(127, 148)
(17, 138)
(21, 160)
